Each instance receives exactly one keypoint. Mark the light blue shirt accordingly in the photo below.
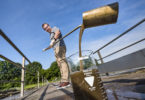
(61, 42)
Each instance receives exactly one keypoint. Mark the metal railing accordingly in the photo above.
(97, 51)
(23, 69)
(128, 30)
(122, 49)
(13, 45)
(10, 61)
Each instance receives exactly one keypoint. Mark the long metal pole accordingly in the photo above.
(22, 78)
(13, 45)
(68, 33)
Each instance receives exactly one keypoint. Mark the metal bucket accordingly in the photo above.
(100, 16)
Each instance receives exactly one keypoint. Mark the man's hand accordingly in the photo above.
(44, 49)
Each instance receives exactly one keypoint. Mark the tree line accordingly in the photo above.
(10, 75)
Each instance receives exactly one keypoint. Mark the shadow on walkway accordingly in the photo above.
(43, 94)
(30, 94)
(69, 95)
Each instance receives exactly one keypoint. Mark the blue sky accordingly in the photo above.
(21, 21)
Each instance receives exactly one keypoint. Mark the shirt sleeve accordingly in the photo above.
(55, 29)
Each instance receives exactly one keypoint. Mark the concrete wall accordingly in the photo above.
(133, 60)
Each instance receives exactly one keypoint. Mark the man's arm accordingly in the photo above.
(57, 34)
(51, 45)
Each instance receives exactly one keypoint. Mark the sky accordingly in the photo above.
(21, 21)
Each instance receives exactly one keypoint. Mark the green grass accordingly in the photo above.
(30, 86)
(26, 87)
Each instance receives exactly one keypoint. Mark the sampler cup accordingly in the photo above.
(87, 61)
(87, 84)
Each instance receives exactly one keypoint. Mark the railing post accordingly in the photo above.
(42, 80)
(99, 54)
(38, 78)
(22, 77)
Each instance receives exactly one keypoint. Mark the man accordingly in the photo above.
(60, 51)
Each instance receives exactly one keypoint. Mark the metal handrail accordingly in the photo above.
(17, 65)
(13, 45)
(22, 67)
(1, 56)
(122, 49)
(120, 35)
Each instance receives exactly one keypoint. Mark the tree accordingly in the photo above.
(31, 74)
(53, 72)
(9, 72)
